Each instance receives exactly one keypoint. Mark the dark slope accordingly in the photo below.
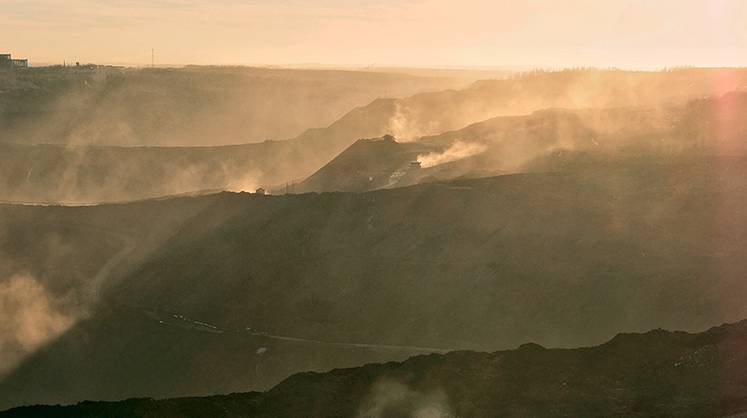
(658, 373)
(479, 264)
(43, 239)
(546, 140)
(55, 261)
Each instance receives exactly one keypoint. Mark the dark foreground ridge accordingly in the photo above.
(658, 373)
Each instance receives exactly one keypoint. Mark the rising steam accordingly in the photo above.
(457, 151)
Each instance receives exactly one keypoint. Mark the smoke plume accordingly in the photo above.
(457, 151)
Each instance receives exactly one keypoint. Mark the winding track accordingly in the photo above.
(105, 271)
(362, 345)
(201, 326)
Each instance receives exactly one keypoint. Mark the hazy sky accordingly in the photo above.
(622, 33)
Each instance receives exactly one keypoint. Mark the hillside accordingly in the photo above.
(434, 113)
(57, 260)
(187, 106)
(657, 373)
(252, 289)
(547, 140)
(368, 164)
(95, 174)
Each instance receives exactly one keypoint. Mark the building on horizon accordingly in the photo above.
(8, 62)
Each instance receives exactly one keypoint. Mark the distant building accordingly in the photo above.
(260, 191)
(7, 62)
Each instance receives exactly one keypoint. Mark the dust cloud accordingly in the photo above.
(392, 398)
(30, 319)
(242, 182)
(457, 151)
(403, 125)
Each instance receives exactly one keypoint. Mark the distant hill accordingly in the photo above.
(95, 174)
(546, 140)
(541, 141)
(187, 106)
(658, 373)
(437, 112)
(249, 289)
(434, 113)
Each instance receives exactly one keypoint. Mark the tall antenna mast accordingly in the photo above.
(152, 58)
